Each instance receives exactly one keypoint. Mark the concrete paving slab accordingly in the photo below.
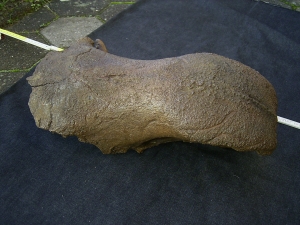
(19, 55)
(78, 7)
(64, 31)
(8, 79)
(33, 22)
(112, 10)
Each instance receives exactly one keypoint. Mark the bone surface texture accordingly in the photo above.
(118, 103)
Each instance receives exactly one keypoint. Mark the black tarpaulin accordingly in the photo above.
(48, 179)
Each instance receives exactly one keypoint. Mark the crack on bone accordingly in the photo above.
(82, 53)
(47, 83)
(225, 119)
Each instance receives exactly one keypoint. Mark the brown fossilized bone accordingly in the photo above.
(118, 103)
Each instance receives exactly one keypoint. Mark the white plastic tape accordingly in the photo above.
(28, 40)
(288, 122)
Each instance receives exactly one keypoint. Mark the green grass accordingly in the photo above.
(2, 4)
(14, 10)
(36, 4)
(293, 6)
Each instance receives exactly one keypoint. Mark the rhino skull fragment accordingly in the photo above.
(118, 103)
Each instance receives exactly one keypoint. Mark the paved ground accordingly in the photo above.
(60, 23)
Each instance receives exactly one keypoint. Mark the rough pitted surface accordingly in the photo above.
(118, 103)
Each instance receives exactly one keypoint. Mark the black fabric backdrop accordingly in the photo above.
(48, 179)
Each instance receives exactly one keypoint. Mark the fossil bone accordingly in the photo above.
(118, 103)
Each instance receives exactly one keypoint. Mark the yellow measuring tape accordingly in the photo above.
(30, 41)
